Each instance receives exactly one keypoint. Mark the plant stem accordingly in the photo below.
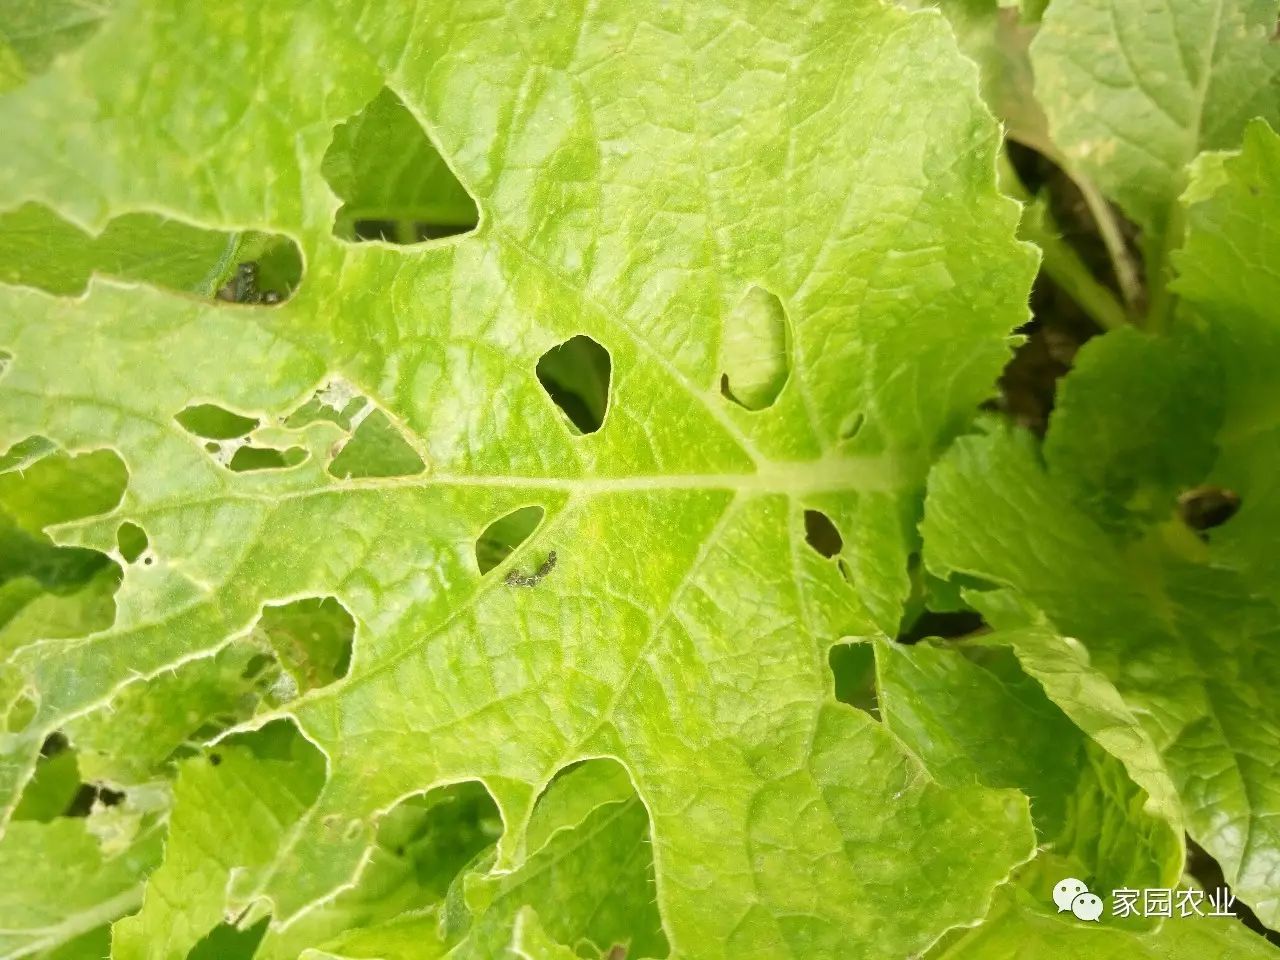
(1059, 260)
(1069, 272)
(1158, 255)
(1126, 271)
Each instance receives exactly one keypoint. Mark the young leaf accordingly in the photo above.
(1135, 91)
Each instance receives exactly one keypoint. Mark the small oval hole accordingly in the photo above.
(821, 534)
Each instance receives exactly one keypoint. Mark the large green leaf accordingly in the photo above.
(1096, 537)
(1135, 91)
(1189, 647)
(638, 168)
(1228, 282)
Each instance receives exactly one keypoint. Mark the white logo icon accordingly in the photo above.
(1087, 906)
(1072, 894)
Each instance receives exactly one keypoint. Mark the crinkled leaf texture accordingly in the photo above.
(1135, 91)
(638, 168)
(1085, 538)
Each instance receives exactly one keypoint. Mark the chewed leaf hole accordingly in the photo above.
(268, 276)
(754, 351)
(213, 422)
(336, 402)
(91, 795)
(248, 459)
(312, 639)
(144, 248)
(376, 449)
(564, 834)
(132, 541)
(853, 667)
(436, 834)
(25, 453)
(394, 184)
(55, 784)
(821, 534)
(1207, 507)
(946, 625)
(576, 376)
(506, 533)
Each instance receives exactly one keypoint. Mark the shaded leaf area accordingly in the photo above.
(47, 590)
(1095, 65)
(973, 714)
(35, 32)
(1214, 649)
(1117, 467)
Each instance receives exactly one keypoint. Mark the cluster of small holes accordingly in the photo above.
(224, 451)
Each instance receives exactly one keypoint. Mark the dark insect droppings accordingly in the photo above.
(243, 287)
(1207, 507)
(516, 579)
